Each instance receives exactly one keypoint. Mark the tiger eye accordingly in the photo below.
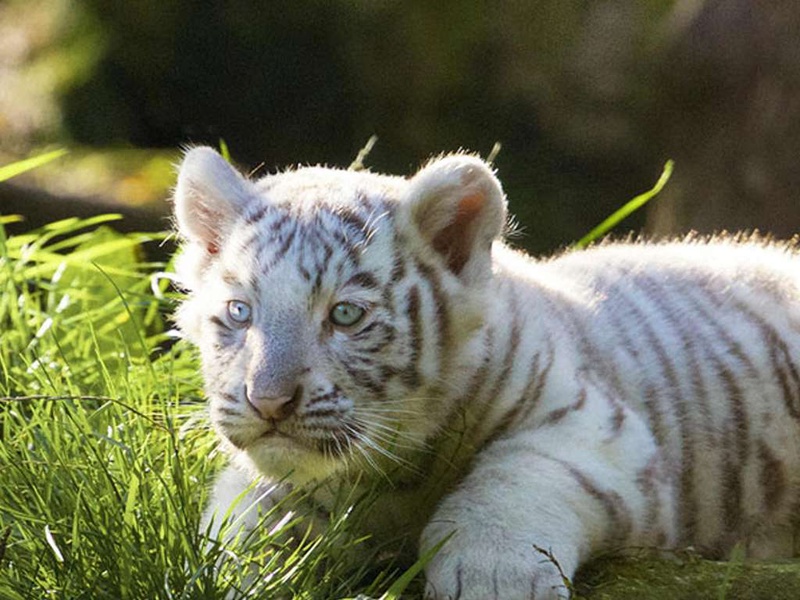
(239, 312)
(346, 314)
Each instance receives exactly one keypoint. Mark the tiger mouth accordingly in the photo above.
(336, 446)
(276, 434)
(329, 442)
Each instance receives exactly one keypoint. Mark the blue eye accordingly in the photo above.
(239, 311)
(346, 314)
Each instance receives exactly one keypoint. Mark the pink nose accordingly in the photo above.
(273, 409)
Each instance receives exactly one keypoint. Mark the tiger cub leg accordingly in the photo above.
(537, 504)
(236, 505)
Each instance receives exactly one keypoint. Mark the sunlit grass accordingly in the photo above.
(96, 427)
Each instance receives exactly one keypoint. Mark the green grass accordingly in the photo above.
(105, 454)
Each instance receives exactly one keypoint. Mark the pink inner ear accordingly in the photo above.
(208, 220)
(470, 206)
(455, 241)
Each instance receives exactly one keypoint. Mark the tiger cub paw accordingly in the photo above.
(479, 573)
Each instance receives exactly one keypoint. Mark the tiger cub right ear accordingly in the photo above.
(458, 206)
(209, 197)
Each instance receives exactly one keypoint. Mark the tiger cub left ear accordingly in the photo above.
(209, 198)
(458, 206)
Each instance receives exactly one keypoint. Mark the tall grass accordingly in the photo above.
(105, 456)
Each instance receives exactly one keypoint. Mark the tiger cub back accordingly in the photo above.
(357, 327)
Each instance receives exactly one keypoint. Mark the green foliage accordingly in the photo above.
(73, 300)
(95, 441)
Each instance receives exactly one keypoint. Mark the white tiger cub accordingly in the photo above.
(356, 326)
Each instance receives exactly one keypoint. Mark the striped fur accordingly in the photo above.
(628, 395)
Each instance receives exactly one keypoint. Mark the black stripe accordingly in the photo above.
(350, 218)
(440, 303)
(787, 372)
(709, 317)
(363, 279)
(327, 250)
(559, 414)
(736, 450)
(411, 373)
(459, 583)
(282, 240)
(535, 388)
(256, 215)
(594, 359)
(228, 397)
(773, 481)
(279, 222)
(620, 523)
(647, 483)
(286, 244)
(362, 377)
(784, 370)
(230, 412)
(398, 262)
(502, 378)
(220, 323)
(480, 376)
(526, 401)
(650, 392)
(384, 334)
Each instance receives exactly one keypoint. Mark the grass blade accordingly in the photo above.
(401, 583)
(22, 166)
(51, 541)
(627, 209)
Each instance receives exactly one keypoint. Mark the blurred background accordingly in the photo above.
(588, 99)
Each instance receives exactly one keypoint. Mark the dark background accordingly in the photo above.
(588, 99)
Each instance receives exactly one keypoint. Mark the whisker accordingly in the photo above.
(369, 443)
(354, 442)
(389, 435)
(370, 462)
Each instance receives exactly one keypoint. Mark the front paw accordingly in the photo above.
(487, 571)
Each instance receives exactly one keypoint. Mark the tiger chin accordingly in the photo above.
(356, 327)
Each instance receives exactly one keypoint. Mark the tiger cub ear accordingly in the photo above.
(209, 197)
(458, 206)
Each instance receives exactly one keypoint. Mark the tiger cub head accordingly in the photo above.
(335, 311)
